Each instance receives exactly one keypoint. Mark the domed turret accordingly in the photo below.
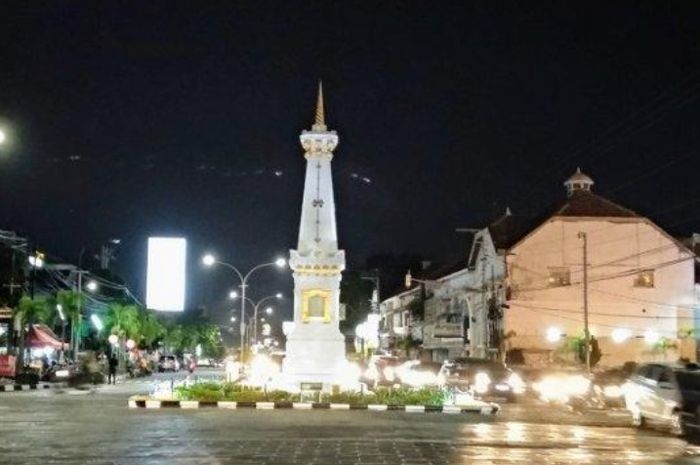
(578, 182)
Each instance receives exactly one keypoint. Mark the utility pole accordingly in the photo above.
(586, 332)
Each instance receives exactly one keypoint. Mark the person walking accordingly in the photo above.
(113, 363)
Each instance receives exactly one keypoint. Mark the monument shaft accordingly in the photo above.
(315, 349)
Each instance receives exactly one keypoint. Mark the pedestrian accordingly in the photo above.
(113, 363)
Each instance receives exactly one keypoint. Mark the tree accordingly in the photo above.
(122, 320)
(150, 328)
(71, 302)
(28, 312)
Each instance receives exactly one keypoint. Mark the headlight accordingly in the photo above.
(612, 391)
(62, 373)
(516, 383)
(481, 382)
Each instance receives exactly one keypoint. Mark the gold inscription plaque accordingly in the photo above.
(316, 305)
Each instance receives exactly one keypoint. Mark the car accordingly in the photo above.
(482, 377)
(668, 394)
(168, 363)
(419, 373)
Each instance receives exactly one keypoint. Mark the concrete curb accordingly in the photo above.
(28, 387)
(140, 403)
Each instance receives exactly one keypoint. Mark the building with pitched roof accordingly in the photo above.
(517, 290)
(640, 284)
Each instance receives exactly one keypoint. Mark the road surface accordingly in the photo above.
(78, 427)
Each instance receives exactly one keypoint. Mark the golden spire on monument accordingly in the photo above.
(320, 121)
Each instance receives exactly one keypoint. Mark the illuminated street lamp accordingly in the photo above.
(113, 339)
(3, 137)
(233, 295)
(256, 306)
(97, 322)
(210, 260)
(91, 286)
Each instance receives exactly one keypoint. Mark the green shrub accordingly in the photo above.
(349, 398)
(404, 396)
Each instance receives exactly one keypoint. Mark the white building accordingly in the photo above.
(641, 283)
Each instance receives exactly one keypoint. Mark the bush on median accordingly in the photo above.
(214, 392)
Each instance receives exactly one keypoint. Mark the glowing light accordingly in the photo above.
(561, 387)
(620, 335)
(92, 286)
(130, 344)
(269, 310)
(279, 295)
(113, 339)
(208, 259)
(651, 336)
(167, 262)
(612, 391)
(553, 334)
(3, 136)
(97, 322)
(233, 295)
(281, 262)
(59, 309)
(516, 383)
(62, 373)
(482, 381)
(36, 262)
(233, 319)
(262, 370)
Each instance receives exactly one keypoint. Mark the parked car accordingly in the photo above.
(482, 377)
(168, 363)
(665, 393)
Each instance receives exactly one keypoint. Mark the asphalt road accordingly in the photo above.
(82, 427)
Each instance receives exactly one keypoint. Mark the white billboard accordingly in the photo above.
(167, 265)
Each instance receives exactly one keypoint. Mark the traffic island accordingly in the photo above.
(478, 407)
(29, 387)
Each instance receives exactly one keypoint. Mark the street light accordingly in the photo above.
(97, 322)
(3, 137)
(210, 260)
(256, 306)
(92, 286)
(233, 295)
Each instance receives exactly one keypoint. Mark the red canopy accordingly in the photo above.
(42, 336)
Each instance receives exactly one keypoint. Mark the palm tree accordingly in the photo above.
(71, 302)
(28, 312)
(122, 320)
(150, 328)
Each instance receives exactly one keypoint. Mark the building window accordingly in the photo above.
(644, 279)
(559, 276)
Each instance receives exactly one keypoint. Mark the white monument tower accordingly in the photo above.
(315, 346)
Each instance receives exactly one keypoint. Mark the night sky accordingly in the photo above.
(128, 119)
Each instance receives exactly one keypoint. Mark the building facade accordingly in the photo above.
(641, 285)
(518, 292)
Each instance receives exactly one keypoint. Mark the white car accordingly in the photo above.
(665, 393)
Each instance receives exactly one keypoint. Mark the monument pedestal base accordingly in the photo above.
(314, 360)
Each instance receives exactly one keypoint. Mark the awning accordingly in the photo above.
(42, 336)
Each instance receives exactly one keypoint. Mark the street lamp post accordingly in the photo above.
(210, 260)
(256, 306)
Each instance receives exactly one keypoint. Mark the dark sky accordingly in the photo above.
(129, 119)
